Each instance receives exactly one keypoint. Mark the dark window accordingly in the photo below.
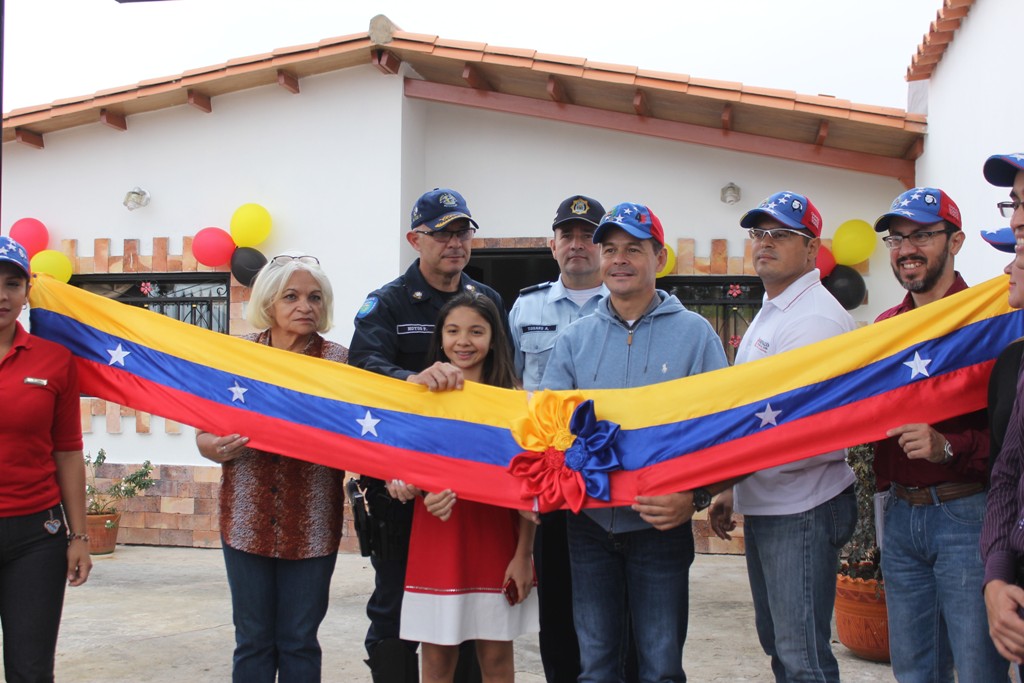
(200, 299)
(729, 302)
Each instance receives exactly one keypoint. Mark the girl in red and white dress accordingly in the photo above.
(461, 557)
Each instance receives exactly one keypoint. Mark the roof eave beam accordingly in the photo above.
(672, 130)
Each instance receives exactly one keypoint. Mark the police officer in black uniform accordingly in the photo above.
(392, 333)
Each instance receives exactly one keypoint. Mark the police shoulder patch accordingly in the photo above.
(367, 307)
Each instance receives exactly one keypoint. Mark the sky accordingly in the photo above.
(853, 49)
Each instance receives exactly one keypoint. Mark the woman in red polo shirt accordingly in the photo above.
(42, 541)
(280, 518)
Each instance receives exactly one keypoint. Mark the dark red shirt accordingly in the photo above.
(40, 415)
(968, 435)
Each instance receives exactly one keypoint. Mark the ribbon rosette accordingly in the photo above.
(567, 451)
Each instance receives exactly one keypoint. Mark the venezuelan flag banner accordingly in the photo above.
(552, 449)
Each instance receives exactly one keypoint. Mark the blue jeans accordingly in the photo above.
(933, 575)
(792, 562)
(649, 571)
(277, 606)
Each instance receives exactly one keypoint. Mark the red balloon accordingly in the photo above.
(31, 234)
(825, 262)
(212, 247)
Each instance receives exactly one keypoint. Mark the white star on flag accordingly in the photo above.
(627, 211)
(4, 249)
(767, 416)
(904, 212)
(918, 366)
(237, 392)
(905, 202)
(916, 195)
(118, 355)
(369, 424)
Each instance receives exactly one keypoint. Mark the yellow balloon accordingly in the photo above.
(250, 225)
(670, 263)
(52, 262)
(854, 241)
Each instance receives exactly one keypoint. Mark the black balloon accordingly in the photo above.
(246, 263)
(845, 284)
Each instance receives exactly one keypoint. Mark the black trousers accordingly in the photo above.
(33, 574)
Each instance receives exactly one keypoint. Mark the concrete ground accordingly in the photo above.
(163, 615)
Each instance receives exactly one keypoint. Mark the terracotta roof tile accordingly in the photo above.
(663, 76)
(308, 47)
(251, 59)
(414, 37)
(823, 101)
(941, 33)
(507, 60)
(884, 111)
(716, 85)
(559, 59)
(612, 68)
(460, 44)
(511, 51)
(337, 40)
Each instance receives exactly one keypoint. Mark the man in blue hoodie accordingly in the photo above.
(639, 555)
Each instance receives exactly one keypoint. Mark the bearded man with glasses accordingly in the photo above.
(936, 476)
(393, 329)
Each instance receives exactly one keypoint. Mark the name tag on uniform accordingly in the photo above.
(413, 328)
(538, 328)
(35, 381)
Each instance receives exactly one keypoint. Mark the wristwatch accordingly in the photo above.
(701, 499)
(948, 453)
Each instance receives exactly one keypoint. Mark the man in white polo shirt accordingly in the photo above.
(797, 516)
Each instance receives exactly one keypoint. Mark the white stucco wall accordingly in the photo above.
(339, 166)
(974, 111)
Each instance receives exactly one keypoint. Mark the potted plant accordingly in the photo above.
(102, 516)
(862, 623)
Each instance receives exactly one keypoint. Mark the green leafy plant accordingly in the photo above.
(861, 558)
(104, 502)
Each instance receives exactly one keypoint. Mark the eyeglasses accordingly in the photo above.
(1008, 208)
(918, 239)
(285, 259)
(445, 236)
(777, 234)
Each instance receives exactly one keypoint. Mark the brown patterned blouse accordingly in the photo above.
(280, 507)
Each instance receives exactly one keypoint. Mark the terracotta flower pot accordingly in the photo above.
(862, 622)
(102, 536)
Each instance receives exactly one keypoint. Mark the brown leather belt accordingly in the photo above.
(943, 492)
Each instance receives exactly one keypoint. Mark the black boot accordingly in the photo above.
(393, 662)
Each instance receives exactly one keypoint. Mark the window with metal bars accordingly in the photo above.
(200, 299)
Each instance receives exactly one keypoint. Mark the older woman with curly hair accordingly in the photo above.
(280, 518)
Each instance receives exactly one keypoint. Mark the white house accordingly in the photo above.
(337, 139)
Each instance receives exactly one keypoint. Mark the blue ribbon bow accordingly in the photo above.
(591, 453)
